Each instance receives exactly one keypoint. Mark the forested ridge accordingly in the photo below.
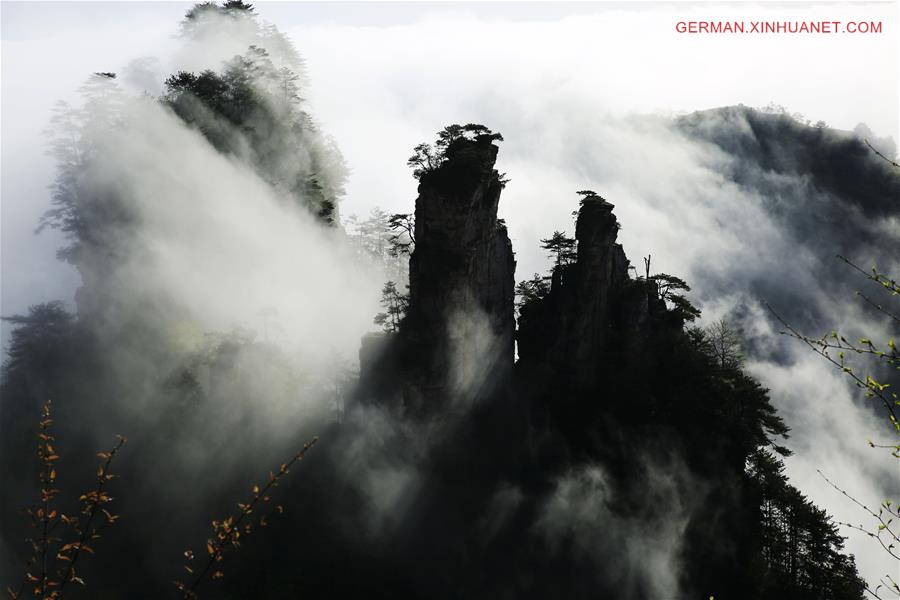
(575, 434)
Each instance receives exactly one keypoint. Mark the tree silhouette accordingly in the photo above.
(427, 158)
(424, 160)
(561, 248)
(532, 289)
(725, 344)
(800, 545)
(395, 305)
(403, 236)
(253, 108)
(668, 288)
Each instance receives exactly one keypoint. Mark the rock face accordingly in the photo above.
(592, 306)
(457, 342)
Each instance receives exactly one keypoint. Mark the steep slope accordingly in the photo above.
(456, 341)
(609, 390)
(610, 461)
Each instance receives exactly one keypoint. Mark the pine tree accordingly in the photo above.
(560, 247)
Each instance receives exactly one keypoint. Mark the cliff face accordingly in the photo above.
(592, 307)
(457, 341)
(464, 258)
(456, 344)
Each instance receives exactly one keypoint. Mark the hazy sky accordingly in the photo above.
(385, 76)
(561, 81)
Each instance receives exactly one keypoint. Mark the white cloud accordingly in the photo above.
(561, 88)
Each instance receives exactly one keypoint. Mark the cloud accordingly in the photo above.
(224, 245)
(571, 93)
(637, 554)
(586, 101)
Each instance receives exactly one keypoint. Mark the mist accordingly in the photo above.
(594, 108)
(219, 251)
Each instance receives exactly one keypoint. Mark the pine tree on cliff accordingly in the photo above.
(800, 544)
(428, 159)
(87, 218)
(532, 289)
(560, 247)
(253, 109)
(394, 304)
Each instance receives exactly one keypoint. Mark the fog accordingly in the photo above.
(584, 96)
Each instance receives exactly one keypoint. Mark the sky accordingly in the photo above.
(386, 75)
(574, 88)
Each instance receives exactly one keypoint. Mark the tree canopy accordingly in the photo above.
(561, 248)
(427, 158)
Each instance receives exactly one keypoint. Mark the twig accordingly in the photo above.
(874, 388)
(228, 531)
(881, 155)
(885, 281)
(93, 503)
(879, 307)
(879, 516)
